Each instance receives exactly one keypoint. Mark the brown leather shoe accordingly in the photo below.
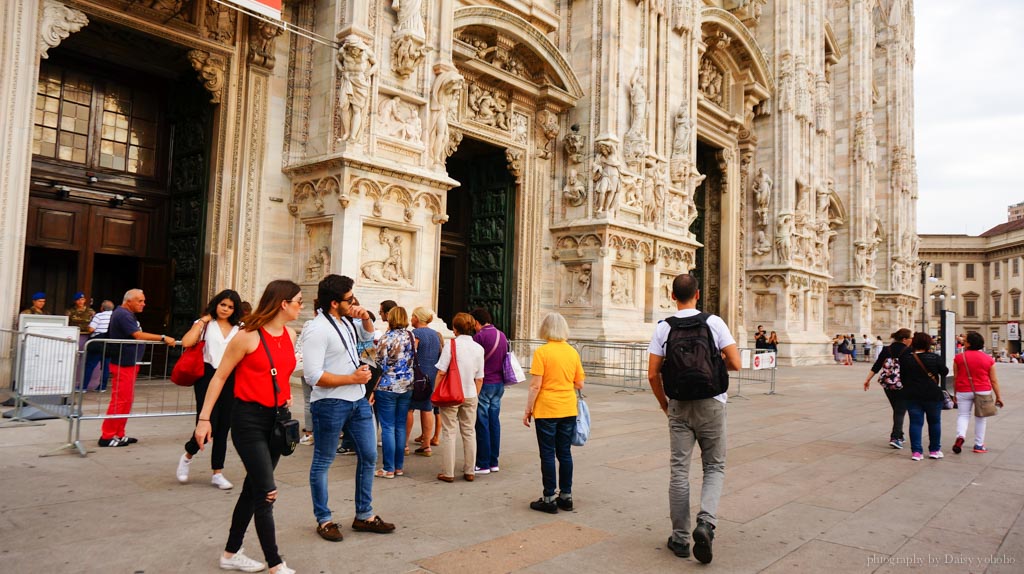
(375, 524)
(444, 478)
(329, 531)
(469, 477)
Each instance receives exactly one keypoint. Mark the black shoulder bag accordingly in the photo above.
(285, 436)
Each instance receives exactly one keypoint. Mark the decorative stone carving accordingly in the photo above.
(710, 80)
(514, 158)
(385, 255)
(356, 65)
(606, 174)
(575, 143)
(784, 236)
(635, 142)
(822, 202)
(761, 244)
(684, 15)
(621, 288)
(319, 264)
(261, 43)
(548, 122)
(181, 9)
(400, 119)
(488, 107)
(444, 95)
(410, 16)
(822, 105)
(762, 195)
(211, 69)
(655, 188)
(407, 51)
(748, 11)
(220, 22)
(680, 159)
(631, 186)
(864, 137)
(520, 127)
(579, 279)
(57, 23)
(574, 192)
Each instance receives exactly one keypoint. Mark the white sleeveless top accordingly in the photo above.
(216, 343)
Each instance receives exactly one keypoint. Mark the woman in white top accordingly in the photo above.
(226, 306)
(469, 358)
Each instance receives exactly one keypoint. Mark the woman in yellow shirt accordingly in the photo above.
(556, 374)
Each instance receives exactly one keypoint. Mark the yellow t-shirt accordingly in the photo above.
(559, 366)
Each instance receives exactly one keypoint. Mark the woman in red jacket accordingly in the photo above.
(265, 336)
(982, 370)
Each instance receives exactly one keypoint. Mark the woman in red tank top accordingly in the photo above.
(253, 416)
(974, 373)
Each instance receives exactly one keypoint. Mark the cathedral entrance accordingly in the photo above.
(708, 227)
(119, 175)
(476, 243)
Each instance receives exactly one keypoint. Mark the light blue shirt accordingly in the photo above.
(323, 351)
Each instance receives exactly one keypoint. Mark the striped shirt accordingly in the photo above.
(100, 322)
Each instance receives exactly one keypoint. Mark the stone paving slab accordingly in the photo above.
(811, 486)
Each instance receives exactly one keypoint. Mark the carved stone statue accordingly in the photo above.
(444, 95)
(410, 16)
(261, 42)
(489, 107)
(822, 203)
(860, 257)
(548, 122)
(407, 51)
(638, 102)
(654, 204)
(574, 192)
(784, 236)
(762, 195)
(357, 64)
(211, 69)
(683, 129)
(620, 290)
(761, 244)
(606, 174)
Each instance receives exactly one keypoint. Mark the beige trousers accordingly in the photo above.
(464, 417)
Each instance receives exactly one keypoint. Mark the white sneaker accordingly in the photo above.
(307, 439)
(479, 470)
(284, 569)
(220, 482)
(242, 562)
(184, 463)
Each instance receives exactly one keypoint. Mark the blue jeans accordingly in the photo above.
(392, 410)
(488, 427)
(329, 417)
(917, 411)
(554, 438)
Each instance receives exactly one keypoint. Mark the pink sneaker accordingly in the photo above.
(916, 456)
(935, 454)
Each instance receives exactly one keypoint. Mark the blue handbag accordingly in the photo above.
(579, 438)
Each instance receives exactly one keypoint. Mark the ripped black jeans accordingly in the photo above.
(251, 425)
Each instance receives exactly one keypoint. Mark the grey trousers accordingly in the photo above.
(702, 422)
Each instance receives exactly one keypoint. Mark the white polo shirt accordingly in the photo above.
(719, 330)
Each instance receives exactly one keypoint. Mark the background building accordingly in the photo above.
(528, 156)
(1015, 212)
(984, 272)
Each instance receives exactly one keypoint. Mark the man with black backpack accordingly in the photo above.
(690, 355)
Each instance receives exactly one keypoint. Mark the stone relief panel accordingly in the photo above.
(488, 106)
(665, 302)
(710, 80)
(318, 250)
(622, 289)
(219, 22)
(386, 257)
(576, 284)
(520, 128)
(765, 306)
(400, 120)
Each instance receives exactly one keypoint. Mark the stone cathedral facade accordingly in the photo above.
(525, 155)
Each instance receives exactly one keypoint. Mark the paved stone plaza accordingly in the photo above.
(811, 486)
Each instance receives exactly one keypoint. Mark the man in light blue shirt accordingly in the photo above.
(331, 367)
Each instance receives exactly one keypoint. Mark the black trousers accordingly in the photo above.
(220, 417)
(899, 411)
(251, 426)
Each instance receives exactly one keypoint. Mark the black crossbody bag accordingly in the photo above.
(375, 371)
(285, 435)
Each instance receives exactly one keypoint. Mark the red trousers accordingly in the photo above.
(122, 394)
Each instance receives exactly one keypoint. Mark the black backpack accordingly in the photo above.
(693, 368)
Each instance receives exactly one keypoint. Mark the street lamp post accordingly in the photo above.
(924, 281)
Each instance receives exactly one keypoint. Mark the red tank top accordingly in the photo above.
(252, 375)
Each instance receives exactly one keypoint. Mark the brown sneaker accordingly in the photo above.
(375, 524)
(329, 531)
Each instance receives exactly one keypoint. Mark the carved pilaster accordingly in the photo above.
(58, 22)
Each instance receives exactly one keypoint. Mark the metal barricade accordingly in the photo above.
(142, 391)
(605, 362)
(39, 369)
(756, 370)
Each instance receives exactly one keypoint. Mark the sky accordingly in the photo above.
(969, 121)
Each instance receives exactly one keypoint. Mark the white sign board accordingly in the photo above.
(764, 361)
(1013, 331)
(48, 364)
(745, 358)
